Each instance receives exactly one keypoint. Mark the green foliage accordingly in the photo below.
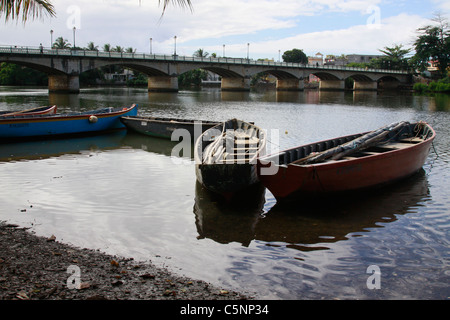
(26, 8)
(200, 53)
(349, 82)
(442, 85)
(358, 65)
(90, 77)
(192, 78)
(139, 80)
(61, 43)
(420, 87)
(394, 59)
(295, 56)
(257, 78)
(15, 75)
(434, 43)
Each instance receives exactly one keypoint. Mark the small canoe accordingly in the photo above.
(349, 163)
(51, 126)
(226, 157)
(164, 127)
(34, 111)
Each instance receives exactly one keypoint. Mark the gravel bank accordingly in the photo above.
(37, 268)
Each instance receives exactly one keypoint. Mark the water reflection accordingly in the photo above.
(148, 143)
(308, 251)
(43, 149)
(65, 99)
(226, 222)
(308, 226)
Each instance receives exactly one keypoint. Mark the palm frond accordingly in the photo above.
(182, 3)
(13, 9)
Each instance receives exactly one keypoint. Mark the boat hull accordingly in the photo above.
(165, 127)
(227, 179)
(232, 175)
(32, 127)
(293, 181)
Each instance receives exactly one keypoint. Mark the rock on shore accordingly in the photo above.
(34, 268)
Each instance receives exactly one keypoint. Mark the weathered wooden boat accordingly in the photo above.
(50, 126)
(34, 111)
(164, 127)
(226, 157)
(354, 162)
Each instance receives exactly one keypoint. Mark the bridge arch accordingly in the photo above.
(36, 66)
(327, 76)
(361, 77)
(388, 82)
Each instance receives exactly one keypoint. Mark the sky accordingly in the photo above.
(263, 29)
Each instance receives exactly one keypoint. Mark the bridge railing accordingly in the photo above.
(162, 57)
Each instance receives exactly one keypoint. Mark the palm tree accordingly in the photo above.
(27, 8)
(394, 58)
(117, 49)
(92, 47)
(395, 53)
(107, 47)
(200, 53)
(61, 43)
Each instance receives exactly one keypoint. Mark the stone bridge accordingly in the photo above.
(64, 66)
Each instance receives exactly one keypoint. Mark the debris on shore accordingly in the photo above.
(39, 268)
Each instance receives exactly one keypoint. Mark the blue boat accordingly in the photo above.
(26, 127)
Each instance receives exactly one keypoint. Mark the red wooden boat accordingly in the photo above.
(347, 163)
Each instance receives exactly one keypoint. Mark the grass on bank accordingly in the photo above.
(442, 85)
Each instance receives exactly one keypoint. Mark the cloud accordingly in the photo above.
(269, 25)
(443, 6)
(358, 39)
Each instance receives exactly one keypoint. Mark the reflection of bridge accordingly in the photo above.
(64, 66)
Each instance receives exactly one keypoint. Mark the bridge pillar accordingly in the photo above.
(332, 85)
(290, 85)
(235, 84)
(163, 84)
(365, 85)
(63, 83)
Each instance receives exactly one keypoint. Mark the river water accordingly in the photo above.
(126, 194)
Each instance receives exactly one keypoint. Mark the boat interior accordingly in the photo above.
(233, 141)
(40, 116)
(408, 135)
(172, 120)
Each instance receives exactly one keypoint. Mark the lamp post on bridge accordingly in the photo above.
(151, 45)
(175, 46)
(223, 51)
(51, 39)
(74, 29)
(248, 51)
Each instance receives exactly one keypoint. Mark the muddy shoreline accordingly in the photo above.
(39, 268)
